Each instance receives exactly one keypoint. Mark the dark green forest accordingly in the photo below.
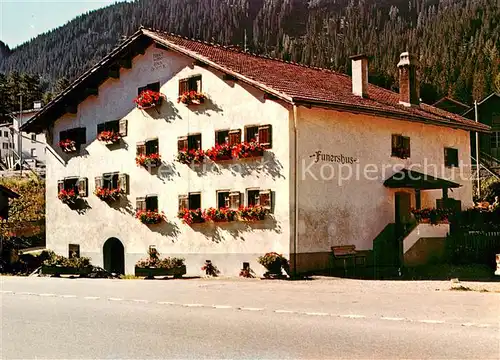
(457, 42)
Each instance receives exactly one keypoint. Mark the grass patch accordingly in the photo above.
(129, 277)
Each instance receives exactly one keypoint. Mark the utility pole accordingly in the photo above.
(19, 137)
(477, 154)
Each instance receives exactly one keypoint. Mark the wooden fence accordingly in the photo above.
(473, 247)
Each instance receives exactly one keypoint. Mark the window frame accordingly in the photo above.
(190, 84)
(78, 135)
(247, 196)
(74, 247)
(151, 86)
(33, 138)
(447, 161)
(398, 149)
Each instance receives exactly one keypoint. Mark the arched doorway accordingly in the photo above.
(114, 256)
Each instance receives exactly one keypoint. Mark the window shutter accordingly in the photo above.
(140, 203)
(141, 148)
(234, 137)
(123, 183)
(406, 146)
(234, 200)
(265, 199)
(183, 202)
(198, 84)
(183, 86)
(446, 157)
(265, 136)
(60, 185)
(98, 182)
(182, 143)
(122, 127)
(82, 187)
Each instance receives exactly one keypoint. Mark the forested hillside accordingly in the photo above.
(457, 41)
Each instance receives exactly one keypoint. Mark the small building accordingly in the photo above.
(5, 195)
(342, 159)
(451, 105)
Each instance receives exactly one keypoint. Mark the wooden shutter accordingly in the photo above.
(235, 200)
(183, 86)
(141, 148)
(265, 136)
(99, 182)
(198, 84)
(60, 185)
(122, 127)
(82, 187)
(265, 199)
(234, 137)
(123, 182)
(396, 144)
(446, 157)
(182, 143)
(406, 146)
(183, 202)
(152, 203)
(140, 203)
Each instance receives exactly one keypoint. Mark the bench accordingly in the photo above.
(347, 253)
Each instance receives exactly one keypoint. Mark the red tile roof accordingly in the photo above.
(300, 83)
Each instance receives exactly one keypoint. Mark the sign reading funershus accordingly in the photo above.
(340, 159)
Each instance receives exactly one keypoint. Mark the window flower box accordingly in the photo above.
(109, 137)
(193, 156)
(106, 194)
(153, 266)
(67, 145)
(149, 99)
(150, 161)
(192, 98)
(273, 262)
(65, 270)
(67, 196)
(60, 265)
(191, 216)
(253, 213)
(149, 217)
(220, 152)
(432, 216)
(248, 150)
(220, 215)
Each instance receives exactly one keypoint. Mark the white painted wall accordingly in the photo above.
(425, 231)
(356, 211)
(231, 106)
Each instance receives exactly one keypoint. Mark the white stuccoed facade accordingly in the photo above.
(329, 214)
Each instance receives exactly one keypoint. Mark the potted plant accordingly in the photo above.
(220, 152)
(149, 161)
(109, 137)
(149, 99)
(67, 145)
(248, 150)
(67, 196)
(191, 216)
(219, 215)
(149, 217)
(154, 265)
(273, 262)
(210, 269)
(60, 265)
(106, 194)
(432, 216)
(253, 213)
(192, 98)
(189, 157)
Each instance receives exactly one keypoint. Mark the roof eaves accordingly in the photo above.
(214, 65)
(392, 114)
(11, 194)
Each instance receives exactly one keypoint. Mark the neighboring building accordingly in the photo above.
(317, 125)
(33, 145)
(451, 105)
(5, 195)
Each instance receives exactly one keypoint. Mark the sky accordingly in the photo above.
(22, 20)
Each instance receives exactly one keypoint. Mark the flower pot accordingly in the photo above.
(274, 268)
(151, 272)
(63, 270)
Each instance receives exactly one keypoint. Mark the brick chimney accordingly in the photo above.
(360, 75)
(408, 85)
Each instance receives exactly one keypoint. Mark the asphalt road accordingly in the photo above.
(195, 319)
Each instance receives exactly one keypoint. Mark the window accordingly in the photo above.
(79, 185)
(33, 153)
(231, 137)
(116, 126)
(400, 146)
(190, 84)
(261, 134)
(451, 157)
(148, 203)
(112, 181)
(191, 201)
(5, 145)
(73, 250)
(78, 135)
(191, 142)
(11, 145)
(495, 140)
(33, 138)
(153, 87)
(228, 199)
(5, 134)
(148, 147)
(259, 197)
